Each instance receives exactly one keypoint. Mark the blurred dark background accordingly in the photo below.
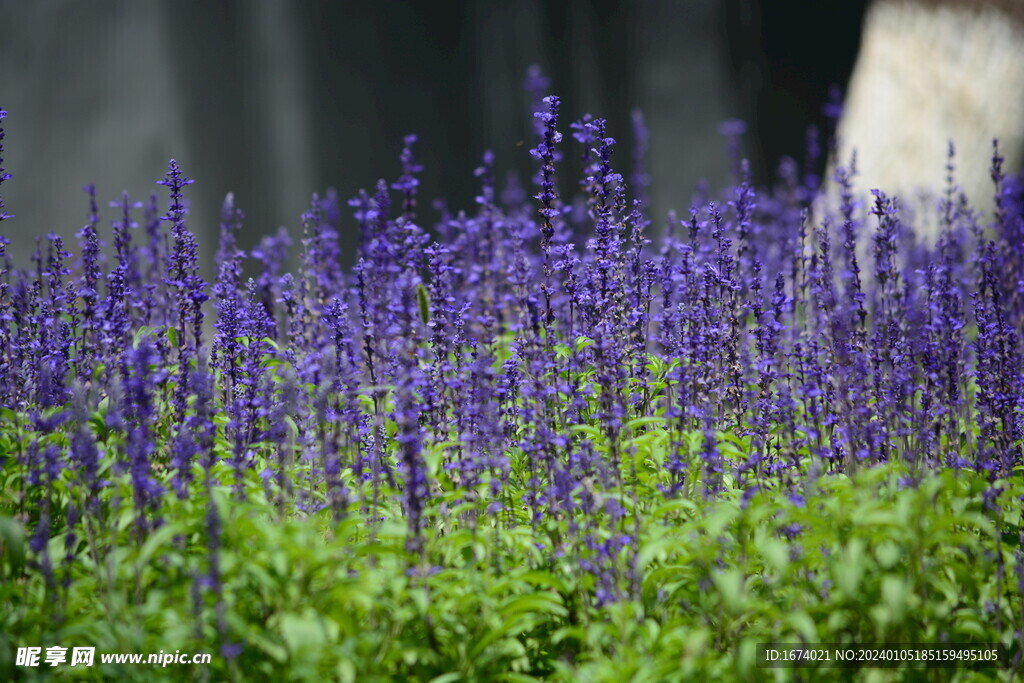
(274, 100)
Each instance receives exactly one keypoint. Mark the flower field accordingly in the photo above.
(549, 437)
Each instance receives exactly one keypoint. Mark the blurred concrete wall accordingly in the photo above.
(274, 100)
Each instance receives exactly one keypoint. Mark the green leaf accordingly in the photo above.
(642, 421)
(802, 623)
(888, 554)
(432, 457)
(544, 579)
(270, 646)
(676, 505)
(729, 583)
(449, 677)
(774, 551)
(424, 300)
(306, 630)
(895, 590)
(143, 331)
(582, 343)
(590, 430)
(13, 537)
(656, 549)
(153, 542)
(850, 568)
(543, 603)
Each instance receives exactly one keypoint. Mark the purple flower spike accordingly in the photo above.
(408, 182)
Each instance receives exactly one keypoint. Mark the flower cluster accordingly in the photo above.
(486, 370)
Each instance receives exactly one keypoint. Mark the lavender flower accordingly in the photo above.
(140, 412)
(88, 289)
(485, 374)
(544, 152)
(183, 268)
(408, 182)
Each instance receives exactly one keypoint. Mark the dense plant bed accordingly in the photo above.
(525, 444)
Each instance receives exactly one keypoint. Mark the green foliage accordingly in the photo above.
(883, 554)
(874, 560)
